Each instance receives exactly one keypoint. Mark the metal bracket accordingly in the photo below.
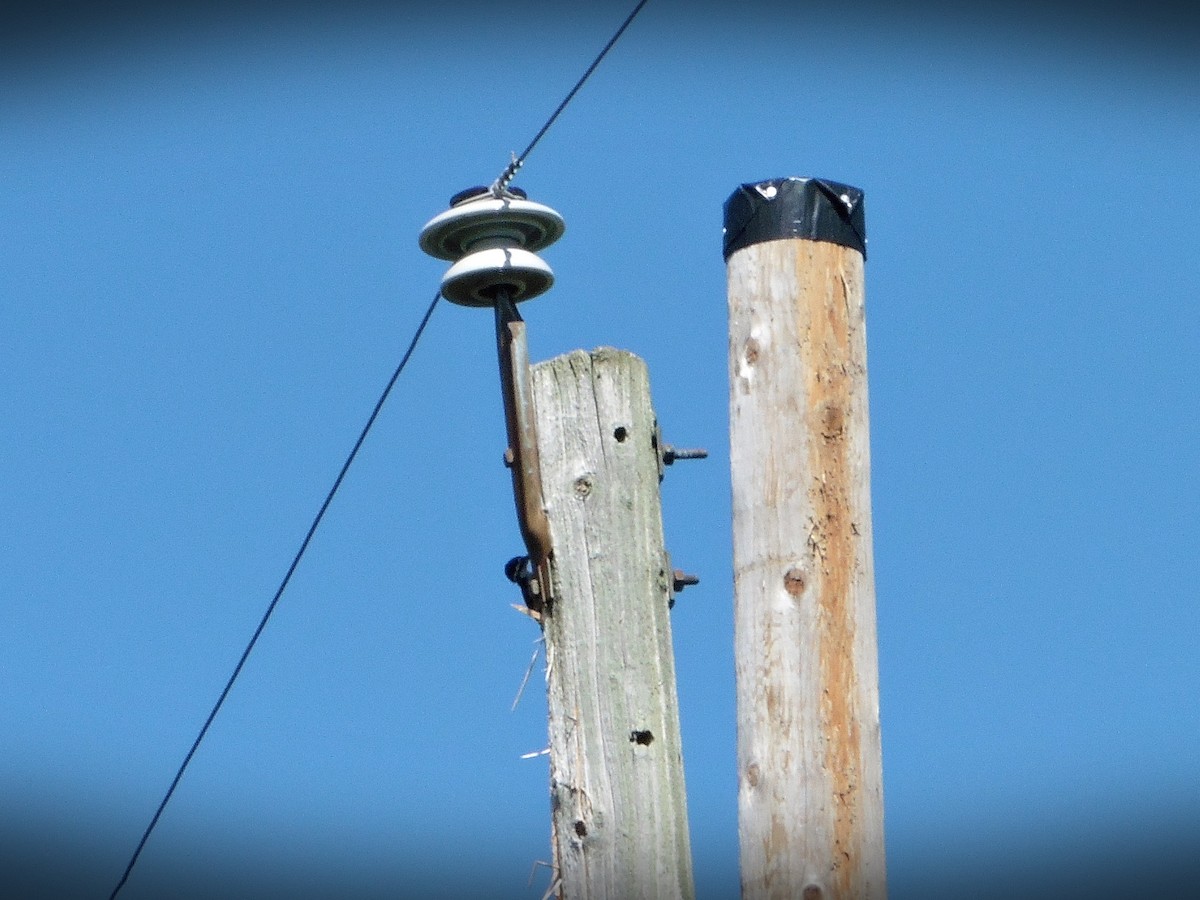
(522, 455)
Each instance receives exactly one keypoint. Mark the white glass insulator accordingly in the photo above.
(522, 223)
(475, 279)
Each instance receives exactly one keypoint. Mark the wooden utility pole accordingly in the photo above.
(810, 781)
(618, 804)
(586, 461)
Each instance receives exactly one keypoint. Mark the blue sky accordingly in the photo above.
(210, 268)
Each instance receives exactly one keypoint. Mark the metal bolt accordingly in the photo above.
(520, 571)
(682, 579)
(670, 454)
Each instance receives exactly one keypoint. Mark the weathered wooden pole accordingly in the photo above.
(586, 462)
(810, 779)
(618, 803)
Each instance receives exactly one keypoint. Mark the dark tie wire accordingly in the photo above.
(237, 670)
(510, 171)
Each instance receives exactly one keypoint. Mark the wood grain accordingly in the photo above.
(809, 753)
(619, 806)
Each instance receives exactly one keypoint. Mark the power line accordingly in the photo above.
(278, 593)
(507, 175)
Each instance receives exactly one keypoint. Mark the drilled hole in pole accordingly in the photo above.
(645, 738)
(620, 434)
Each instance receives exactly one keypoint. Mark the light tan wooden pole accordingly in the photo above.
(618, 803)
(810, 781)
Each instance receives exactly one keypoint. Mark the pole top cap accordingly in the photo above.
(814, 209)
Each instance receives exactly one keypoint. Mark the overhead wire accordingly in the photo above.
(500, 184)
(511, 169)
(312, 528)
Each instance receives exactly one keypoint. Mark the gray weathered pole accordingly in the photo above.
(616, 766)
(810, 781)
(586, 461)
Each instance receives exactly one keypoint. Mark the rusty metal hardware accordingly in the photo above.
(670, 453)
(519, 570)
(522, 454)
(666, 454)
(672, 581)
(681, 579)
(492, 234)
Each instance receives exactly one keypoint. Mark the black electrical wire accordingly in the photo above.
(507, 175)
(278, 593)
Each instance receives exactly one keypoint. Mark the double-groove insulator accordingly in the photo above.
(492, 242)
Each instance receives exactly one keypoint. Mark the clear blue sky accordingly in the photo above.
(209, 267)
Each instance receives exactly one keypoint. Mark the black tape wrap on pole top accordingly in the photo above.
(811, 208)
